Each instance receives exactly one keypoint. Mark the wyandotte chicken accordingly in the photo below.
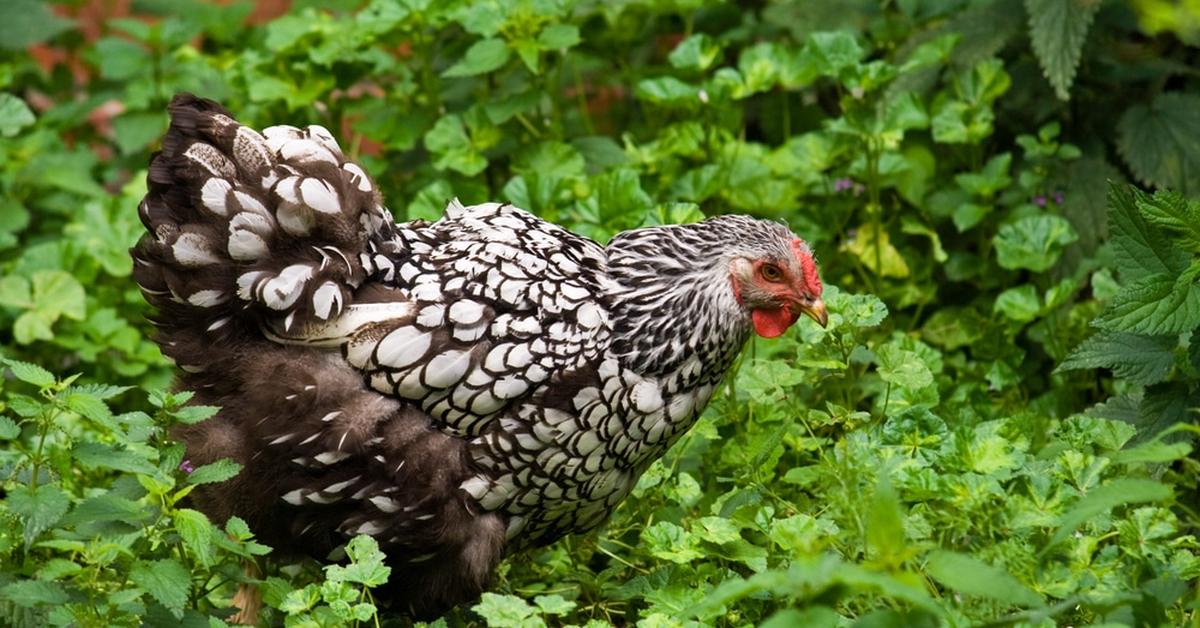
(456, 389)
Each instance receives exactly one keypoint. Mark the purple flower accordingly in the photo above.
(1059, 197)
(1039, 200)
(186, 466)
(843, 184)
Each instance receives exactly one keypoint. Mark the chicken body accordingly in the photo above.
(456, 389)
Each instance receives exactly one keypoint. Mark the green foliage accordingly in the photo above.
(1148, 327)
(935, 456)
(92, 530)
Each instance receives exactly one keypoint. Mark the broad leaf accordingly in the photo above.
(1033, 242)
(482, 57)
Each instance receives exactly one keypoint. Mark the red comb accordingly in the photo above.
(812, 281)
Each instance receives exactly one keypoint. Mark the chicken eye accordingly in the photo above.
(771, 272)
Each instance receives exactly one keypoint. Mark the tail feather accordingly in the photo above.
(244, 226)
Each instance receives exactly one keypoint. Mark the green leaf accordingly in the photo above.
(93, 455)
(120, 59)
(873, 246)
(988, 182)
(366, 564)
(1158, 304)
(1159, 141)
(554, 604)
(902, 367)
(668, 541)
(1106, 497)
(717, 530)
(1019, 304)
(507, 611)
(219, 471)
(971, 576)
(559, 37)
(14, 115)
(448, 138)
(1141, 359)
(482, 57)
(31, 593)
(885, 525)
(1140, 246)
(197, 533)
(135, 131)
(1174, 213)
(28, 22)
(165, 580)
(1033, 242)
(833, 51)
(8, 428)
(1058, 29)
(56, 293)
(1154, 452)
(31, 373)
(106, 507)
(668, 90)
(190, 415)
(39, 509)
(697, 52)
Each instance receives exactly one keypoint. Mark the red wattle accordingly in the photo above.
(771, 323)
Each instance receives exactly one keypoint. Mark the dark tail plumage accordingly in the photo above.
(246, 226)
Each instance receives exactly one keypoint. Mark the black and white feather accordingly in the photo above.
(456, 389)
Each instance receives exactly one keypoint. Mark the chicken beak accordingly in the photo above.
(815, 310)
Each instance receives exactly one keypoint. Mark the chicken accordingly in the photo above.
(457, 389)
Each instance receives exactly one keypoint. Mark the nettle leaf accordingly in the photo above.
(1140, 246)
(190, 415)
(1159, 141)
(1158, 304)
(219, 471)
(1058, 29)
(8, 428)
(482, 57)
(1175, 213)
(1141, 359)
(167, 581)
(1033, 242)
(31, 593)
(197, 533)
(31, 373)
(971, 576)
(39, 508)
